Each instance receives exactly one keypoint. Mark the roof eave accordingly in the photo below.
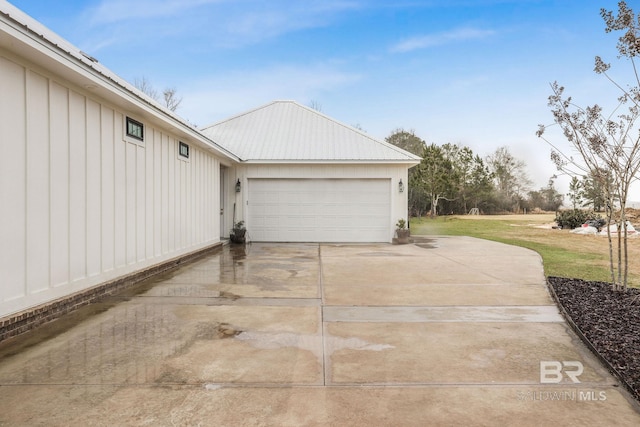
(409, 162)
(87, 74)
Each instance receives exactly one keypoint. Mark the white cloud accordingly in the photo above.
(258, 20)
(220, 96)
(431, 40)
(226, 23)
(112, 11)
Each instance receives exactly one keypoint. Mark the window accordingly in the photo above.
(135, 129)
(183, 150)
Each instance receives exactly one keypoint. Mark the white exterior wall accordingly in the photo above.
(399, 201)
(80, 206)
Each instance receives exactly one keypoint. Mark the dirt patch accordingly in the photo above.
(212, 331)
(534, 218)
(227, 331)
(229, 295)
(609, 320)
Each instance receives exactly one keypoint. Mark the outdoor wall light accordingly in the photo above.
(238, 186)
(401, 186)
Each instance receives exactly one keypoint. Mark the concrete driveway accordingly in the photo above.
(449, 331)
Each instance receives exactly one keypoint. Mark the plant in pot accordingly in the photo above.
(402, 232)
(238, 232)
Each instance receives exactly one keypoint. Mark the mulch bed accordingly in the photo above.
(609, 320)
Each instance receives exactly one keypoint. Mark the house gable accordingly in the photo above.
(285, 131)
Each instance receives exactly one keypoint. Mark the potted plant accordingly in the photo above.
(402, 232)
(238, 232)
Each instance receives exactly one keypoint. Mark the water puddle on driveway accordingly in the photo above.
(424, 242)
(312, 343)
(388, 254)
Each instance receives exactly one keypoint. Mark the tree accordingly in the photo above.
(467, 181)
(472, 177)
(535, 199)
(314, 104)
(608, 144)
(146, 87)
(510, 177)
(595, 186)
(576, 192)
(407, 140)
(481, 180)
(547, 198)
(552, 200)
(169, 98)
(435, 174)
(171, 101)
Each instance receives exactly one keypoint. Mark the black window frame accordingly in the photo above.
(182, 145)
(134, 122)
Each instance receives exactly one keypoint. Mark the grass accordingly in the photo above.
(564, 254)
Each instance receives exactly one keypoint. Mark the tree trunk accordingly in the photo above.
(434, 205)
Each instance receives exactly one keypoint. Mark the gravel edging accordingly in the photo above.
(608, 323)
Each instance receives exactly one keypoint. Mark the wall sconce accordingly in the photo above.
(238, 186)
(401, 186)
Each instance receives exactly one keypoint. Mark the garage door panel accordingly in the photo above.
(319, 210)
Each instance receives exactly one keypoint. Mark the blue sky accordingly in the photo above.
(473, 72)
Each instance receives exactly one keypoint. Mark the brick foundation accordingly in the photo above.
(21, 322)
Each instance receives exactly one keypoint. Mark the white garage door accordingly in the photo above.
(319, 210)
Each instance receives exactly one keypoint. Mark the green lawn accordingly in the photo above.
(563, 254)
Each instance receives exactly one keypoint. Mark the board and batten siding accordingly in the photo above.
(78, 205)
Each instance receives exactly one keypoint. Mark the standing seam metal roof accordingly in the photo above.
(288, 131)
(29, 26)
(279, 131)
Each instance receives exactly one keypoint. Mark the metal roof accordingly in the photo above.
(280, 131)
(67, 59)
(286, 131)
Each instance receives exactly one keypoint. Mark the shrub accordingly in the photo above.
(573, 218)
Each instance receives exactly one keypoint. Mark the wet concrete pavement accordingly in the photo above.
(448, 332)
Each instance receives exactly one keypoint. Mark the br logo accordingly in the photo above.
(551, 372)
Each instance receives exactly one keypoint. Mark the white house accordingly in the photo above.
(100, 186)
(309, 178)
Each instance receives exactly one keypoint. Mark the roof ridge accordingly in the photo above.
(301, 114)
(361, 132)
(244, 113)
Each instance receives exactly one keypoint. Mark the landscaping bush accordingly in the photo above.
(573, 218)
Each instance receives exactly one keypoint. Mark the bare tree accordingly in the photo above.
(169, 98)
(315, 105)
(608, 144)
(144, 85)
(510, 176)
(171, 101)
